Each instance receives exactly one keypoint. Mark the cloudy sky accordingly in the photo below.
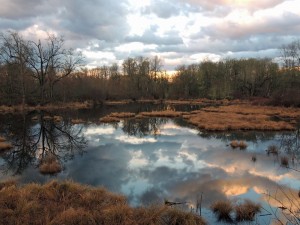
(178, 31)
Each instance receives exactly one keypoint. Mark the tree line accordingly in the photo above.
(44, 71)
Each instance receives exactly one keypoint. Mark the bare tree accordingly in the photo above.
(14, 50)
(51, 62)
(156, 65)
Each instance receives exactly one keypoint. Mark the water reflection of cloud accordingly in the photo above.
(135, 140)
(92, 130)
(137, 160)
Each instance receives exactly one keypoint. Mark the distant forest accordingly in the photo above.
(45, 71)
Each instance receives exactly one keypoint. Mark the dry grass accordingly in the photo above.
(122, 115)
(57, 119)
(234, 144)
(35, 118)
(219, 119)
(166, 113)
(50, 165)
(5, 145)
(238, 144)
(223, 210)
(243, 145)
(77, 121)
(247, 211)
(109, 119)
(70, 203)
(2, 139)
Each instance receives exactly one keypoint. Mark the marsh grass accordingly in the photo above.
(234, 144)
(223, 210)
(2, 139)
(166, 113)
(50, 165)
(109, 119)
(4, 145)
(116, 117)
(77, 121)
(243, 145)
(70, 203)
(57, 119)
(122, 115)
(238, 144)
(247, 210)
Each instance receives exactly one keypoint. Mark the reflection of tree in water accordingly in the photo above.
(143, 127)
(290, 144)
(32, 141)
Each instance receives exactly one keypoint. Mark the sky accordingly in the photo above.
(178, 31)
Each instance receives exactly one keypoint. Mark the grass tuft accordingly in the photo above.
(50, 165)
(247, 211)
(236, 144)
(5, 146)
(2, 139)
(223, 210)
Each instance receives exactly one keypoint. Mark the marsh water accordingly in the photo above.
(155, 159)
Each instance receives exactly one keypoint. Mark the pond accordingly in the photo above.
(155, 159)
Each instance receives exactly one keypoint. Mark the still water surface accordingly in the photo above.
(154, 159)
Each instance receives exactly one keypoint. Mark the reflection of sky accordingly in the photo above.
(177, 165)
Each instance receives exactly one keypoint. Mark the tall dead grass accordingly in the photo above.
(229, 118)
(166, 113)
(50, 165)
(70, 203)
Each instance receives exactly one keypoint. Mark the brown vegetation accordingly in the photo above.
(238, 144)
(50, 165)
(4, 145)
(223, 210)
(246, 211)
(109, 119)
(77, 121)
(166, 113)
(70, 203)
(122, 115)
(242, 117)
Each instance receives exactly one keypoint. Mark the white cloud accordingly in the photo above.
(135, 140)
(182, 31)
